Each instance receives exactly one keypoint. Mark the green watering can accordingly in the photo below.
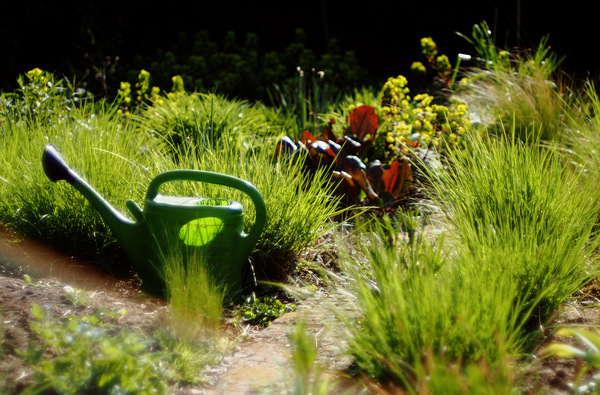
(191, 228)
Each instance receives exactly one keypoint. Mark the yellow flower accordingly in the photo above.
(34, 73)
(418, 67)
(428, 46)
(443, 64)
(177, 84)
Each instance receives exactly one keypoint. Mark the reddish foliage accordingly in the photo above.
(347, 168)
(395, 178)
(363, 122)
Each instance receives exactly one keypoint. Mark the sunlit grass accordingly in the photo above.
(504, 196)
(519, 227)
(522, 88)
(94, 143)
(195, 299)
(582, 135)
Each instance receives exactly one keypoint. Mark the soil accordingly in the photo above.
(260, 362)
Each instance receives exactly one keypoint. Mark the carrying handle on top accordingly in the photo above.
(218, 179)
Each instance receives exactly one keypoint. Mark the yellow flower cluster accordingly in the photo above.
(124, 96)
(142, 85)
(40, 79)
(429, 47)
(440, 63)
(177, 85)
(444, 66)
(418, 67)
(409, 122)
(145, 93)
(34, 74)
(125, 92)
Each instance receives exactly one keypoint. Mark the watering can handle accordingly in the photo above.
(219, 179)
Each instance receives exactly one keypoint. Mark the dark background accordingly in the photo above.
(70, 36)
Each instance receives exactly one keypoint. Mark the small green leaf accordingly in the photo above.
(73, 325)
(37, 312)
(564, 351)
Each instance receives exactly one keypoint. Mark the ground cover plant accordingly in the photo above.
(512, 182)
(117, 361)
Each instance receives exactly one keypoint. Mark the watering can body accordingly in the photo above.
(197, 231)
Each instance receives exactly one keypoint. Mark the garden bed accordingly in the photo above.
(472, 306)
(260, 362)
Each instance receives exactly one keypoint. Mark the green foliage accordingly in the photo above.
(196, 302)
(303, 100)
(431, 321)
(187, 123)
(263, 310)
(513, 202)
(83, 355)
(39, 96)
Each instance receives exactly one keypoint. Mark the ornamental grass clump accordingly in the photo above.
(523, 210)
(519, 225)
(195, 299)
(582, 136)
(517, 88)
(102, 150)
(412, 301)
(182, 121)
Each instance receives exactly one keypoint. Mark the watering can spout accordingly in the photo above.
(125, 230)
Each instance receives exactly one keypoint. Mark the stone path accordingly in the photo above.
(262, 363)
